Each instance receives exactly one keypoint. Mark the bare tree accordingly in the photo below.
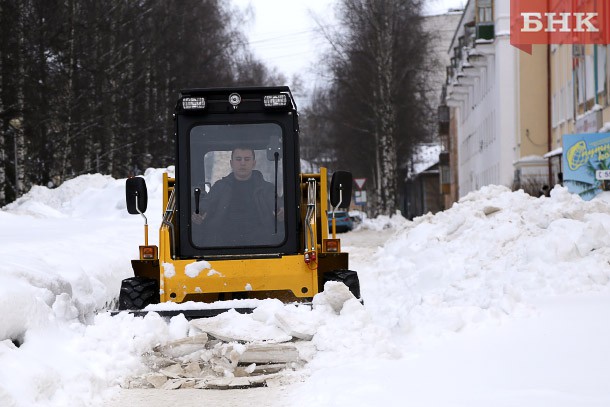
(89, 86)
(2, 126)
(378, 66)
(17, 122)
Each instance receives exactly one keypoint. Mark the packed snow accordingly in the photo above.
(501, 300)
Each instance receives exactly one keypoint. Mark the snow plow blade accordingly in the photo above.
(188, 313)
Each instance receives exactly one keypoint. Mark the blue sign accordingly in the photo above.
(585, 156)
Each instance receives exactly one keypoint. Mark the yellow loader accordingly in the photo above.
(241, 221)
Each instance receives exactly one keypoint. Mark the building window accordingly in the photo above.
(484, 11)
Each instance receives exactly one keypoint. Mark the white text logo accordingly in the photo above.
(558, 22)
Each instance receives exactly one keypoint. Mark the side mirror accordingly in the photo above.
(341, 189)
(136, 195)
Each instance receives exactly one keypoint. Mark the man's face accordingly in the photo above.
(242, 164)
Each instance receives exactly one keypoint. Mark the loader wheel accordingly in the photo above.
(138, 292)
(347, 277)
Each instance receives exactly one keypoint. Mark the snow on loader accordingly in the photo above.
(241, 221)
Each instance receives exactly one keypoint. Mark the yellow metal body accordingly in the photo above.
(180, 278)
(289, 275)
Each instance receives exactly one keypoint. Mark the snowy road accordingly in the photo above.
(258, 396)
(363, 244)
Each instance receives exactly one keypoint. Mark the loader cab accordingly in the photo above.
(237, 173)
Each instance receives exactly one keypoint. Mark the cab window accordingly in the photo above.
(237, 185)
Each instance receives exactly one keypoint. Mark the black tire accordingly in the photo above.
(138, 292)
(347, 277)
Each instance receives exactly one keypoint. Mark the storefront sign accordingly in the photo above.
(585, 157)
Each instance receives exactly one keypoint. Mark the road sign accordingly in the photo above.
(360, 197)
(360, 182)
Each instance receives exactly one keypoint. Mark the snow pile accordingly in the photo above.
(501, 278)
(488, 256)
(382, 222)
(91, 196)
(43, 202)
(481, 304)
(65, 250)
(63, 364)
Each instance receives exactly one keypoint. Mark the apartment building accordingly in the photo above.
(580, 95)
(494, 121)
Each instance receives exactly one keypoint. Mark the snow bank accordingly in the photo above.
(90, 196)
(73, 243)
(488, 256)
(484, 304)
(382, 222)
(494, 258)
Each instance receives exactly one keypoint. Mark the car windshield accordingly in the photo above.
(236, 179)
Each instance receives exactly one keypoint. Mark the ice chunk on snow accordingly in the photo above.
(232, 326)
(335, 294)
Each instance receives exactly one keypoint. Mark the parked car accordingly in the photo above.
(356, 217)
(343, 220)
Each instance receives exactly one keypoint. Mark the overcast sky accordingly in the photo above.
(284, 33)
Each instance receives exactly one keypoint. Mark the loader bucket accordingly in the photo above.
(188, 314)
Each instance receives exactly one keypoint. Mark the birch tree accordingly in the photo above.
(2, 128)
(66, 136)
(17, 123)
(90, 86)
(378, 69)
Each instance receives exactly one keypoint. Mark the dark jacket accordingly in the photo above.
(260, 202)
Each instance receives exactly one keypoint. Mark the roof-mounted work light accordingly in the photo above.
(193, 103)
(280, 100)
